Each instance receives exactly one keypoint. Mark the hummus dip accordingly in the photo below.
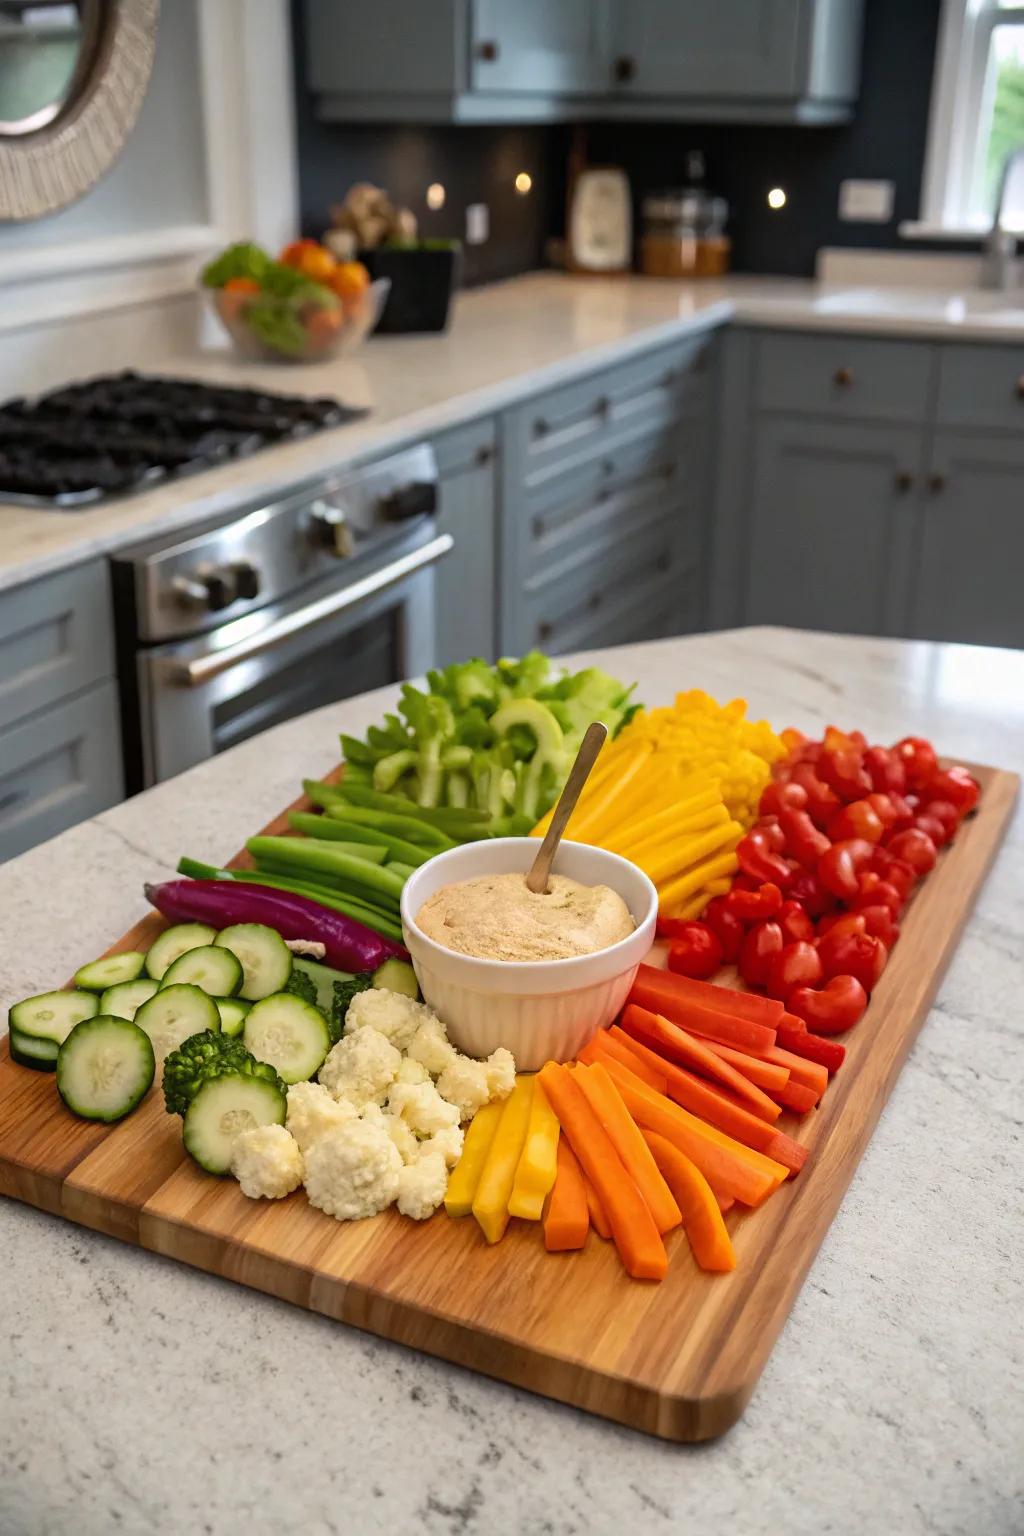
(497, 917)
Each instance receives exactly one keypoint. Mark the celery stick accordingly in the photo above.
(341, 885)
(397, 868)
(308, 853)
(350, 836)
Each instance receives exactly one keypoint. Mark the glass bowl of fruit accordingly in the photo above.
(305, 307)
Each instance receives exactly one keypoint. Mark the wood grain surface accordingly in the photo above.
(679, 1359)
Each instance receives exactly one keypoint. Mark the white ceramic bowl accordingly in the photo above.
(542, 1010)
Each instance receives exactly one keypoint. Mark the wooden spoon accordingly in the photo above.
(586, 757)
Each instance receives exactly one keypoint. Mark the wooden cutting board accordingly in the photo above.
(679, 1359)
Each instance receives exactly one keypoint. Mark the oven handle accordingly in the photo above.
(192, 674)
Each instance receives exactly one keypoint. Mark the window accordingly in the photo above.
(977, 118)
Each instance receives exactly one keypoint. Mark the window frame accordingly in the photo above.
(958, 90)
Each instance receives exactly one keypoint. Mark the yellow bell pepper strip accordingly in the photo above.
(674, 893)
(689, 852)
(538, 1162)
(660, 826)
(490, 1203)
(465, 1175)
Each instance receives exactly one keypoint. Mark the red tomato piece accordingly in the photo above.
(841, 922)
(893, 870)
(932, 827)
(807, 889)
(853, 954)
(881, 923)
(761, 944)
(729, 930)
(858, 819)
(915, 848)
(837, 1006)
(885, 770)
(944, 811)
(696, 952)
(804, 842)
(794, 922)
(873, 891)
(845, 774)
(782, 797)
(839, 867)
(754, 906)
(918, 759)
(758, 859)
(956, 785)
(795, 965)
(821, 801)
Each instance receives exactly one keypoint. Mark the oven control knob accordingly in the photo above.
(247, 580)
(415, 500)
(331, 529)
(220, 589)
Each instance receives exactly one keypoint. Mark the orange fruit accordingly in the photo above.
(349, 279)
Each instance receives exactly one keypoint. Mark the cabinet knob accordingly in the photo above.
(1020, 387)
(903, 481)
(487, 51)
(604, 406)
(540, 427)
(843, 378)
(545, 630)
(625, 68)
(485, 453)
(936, 484)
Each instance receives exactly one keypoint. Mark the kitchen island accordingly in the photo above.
(145, 1397)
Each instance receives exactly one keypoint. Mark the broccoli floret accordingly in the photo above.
(205, 1056)
(344, 992)
(302, 985)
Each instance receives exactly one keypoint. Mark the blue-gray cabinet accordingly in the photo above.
(60, 738)
(603, 504)
(466, 580)
(971, 549)
(832, 525)
(555, 60)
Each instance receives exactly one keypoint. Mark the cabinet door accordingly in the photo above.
(465, 592)
(968, 583)
(704, 48)
(833, 513)
(558, 46)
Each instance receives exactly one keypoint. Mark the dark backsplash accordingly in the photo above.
(886, 139)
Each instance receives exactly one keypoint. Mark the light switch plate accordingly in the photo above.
(866, 202)
(478, 224)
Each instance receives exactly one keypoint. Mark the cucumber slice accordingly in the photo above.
(289, 1033)
(323, 978)
(221, 1109)
(173, 1014)
(217, 971)
(98, 975)
(53, 1015)
(266, 958)
(28, 1051)
(396, 975)
(174, 942)
(105, 1067)
(232, 1014)
(128, 996)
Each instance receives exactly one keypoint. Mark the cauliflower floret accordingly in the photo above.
(464, 1084)
(309, 947)
(392, 1014)
(312, 1113)
(361, 1067)
(501, 1073)
(447, 1142)
(412, 1071)
(267, 1162)
(422, 1186)
(401, 1134)
(422, 1107)
(431, 1047)
(353, 1172)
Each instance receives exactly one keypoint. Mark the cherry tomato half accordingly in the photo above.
(760, 946)
(795, 965)
(955, 785)
(837, 1006)
(696, 951)
(794, 922)
(844, 772)
(853, 954)
(858, 819)
(885, 770)
(918, 759)
(915, 848)
(729, 930)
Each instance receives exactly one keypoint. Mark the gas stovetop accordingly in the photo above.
(124, 432)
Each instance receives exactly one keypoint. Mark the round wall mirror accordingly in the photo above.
(73, 74)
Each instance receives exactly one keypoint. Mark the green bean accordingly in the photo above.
(332, 827)
(303, 854)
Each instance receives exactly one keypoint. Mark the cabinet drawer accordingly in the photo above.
(982, 387)
(58, 767)
(844, 376)
(465, 447)
(652, 610)
(56, 636)
(567, 425)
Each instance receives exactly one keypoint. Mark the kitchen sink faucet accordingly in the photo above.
(998, 265)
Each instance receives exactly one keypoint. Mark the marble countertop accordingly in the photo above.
(506, 342)
(145, 1397)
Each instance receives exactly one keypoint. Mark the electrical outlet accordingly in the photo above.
(478, 224)
(866, 202)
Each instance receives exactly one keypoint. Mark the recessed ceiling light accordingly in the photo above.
(776, 198)
(524, 181)
(435, 195)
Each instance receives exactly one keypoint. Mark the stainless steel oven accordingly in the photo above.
(284, 607)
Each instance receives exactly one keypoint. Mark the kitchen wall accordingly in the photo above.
(886, 139)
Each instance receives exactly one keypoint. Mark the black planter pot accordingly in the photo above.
(422, 280)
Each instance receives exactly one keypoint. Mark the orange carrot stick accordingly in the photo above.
(725, 1202)
(667, 1039)
(566, 1221)
(607, 1103)
(731, 1167)
(652, 989)
(705, 1229)
(615, 1043)
(811, 1074)
(751, 1006)
(798, 1099)
(764, 1073)
(595, 1210)
(636, 1236)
